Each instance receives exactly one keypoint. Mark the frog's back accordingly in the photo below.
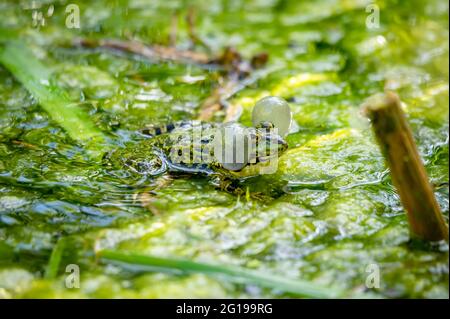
(186, 146)
(153, 130)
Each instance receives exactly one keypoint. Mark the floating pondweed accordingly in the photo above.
(330, 212)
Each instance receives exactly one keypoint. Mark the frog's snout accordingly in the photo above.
(275, 145)
(282, 144)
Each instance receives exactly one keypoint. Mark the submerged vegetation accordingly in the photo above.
(330, 217)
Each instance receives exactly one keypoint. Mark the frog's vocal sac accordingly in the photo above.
(226, 153)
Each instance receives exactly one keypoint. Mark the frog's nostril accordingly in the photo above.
(283, 144)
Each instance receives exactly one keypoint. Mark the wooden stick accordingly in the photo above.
(190, 21)
(158, 52)
(173, 30)
(408, 173)
(235, 70)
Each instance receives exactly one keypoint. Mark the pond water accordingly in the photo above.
(335, 215)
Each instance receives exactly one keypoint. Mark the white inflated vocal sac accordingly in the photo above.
(275, 110)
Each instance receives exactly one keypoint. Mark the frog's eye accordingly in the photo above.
(266, 125)
(231, 146)
(274, 110)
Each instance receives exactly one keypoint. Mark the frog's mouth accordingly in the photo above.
(265, 159)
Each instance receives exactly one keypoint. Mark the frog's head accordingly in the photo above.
(260, 146)
(246, 152)
(268, 143)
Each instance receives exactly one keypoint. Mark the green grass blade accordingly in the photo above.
(55, 259)
(233, 273)
(36, 78)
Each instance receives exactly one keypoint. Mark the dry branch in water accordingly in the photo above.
(190, 21)
(408, 173)
(236, 70)
(152, 52)
(173, 30)
(235, 78)
(235, 73)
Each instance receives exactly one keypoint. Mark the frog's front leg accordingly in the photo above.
(230, 186)
(234, 187)
(227, 184)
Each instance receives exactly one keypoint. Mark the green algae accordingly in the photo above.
(37, 79)
(334, 211)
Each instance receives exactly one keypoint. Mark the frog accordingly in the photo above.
(191, 147)
(225, 153)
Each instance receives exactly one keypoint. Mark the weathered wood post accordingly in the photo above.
(407, 170)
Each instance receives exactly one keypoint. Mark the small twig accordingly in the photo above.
(237, 76)
(157, 52)
(190, 21)
(217, 100)
(173, 30)
(25, 144)
(408, 173)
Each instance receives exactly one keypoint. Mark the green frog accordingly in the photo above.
(195, 147)
(226, 153)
